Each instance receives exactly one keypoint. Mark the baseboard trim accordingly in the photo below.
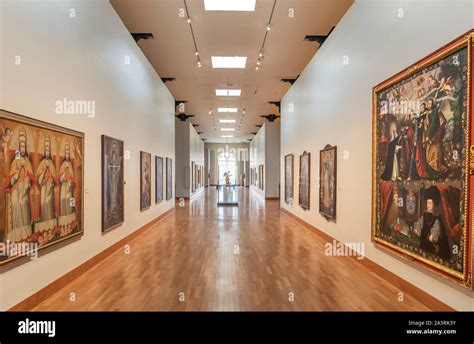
(428, 300)
(47, 291)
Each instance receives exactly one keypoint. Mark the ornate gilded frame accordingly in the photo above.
(464, 279)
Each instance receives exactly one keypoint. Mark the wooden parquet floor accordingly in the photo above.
(207, 258)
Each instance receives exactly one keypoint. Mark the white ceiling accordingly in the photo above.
(172, 53)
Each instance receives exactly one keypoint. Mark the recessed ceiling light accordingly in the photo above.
(228, 61)
(256, 68)
(228, 93)
(227, 129)
(260, 55)
(229, 5)
(189, 21)
(227, 135)
(227, 121)
(268, 27)
(225, 109)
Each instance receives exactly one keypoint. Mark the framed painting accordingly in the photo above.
(158, 179)
(289, 174)
(193, 176)
(305, 179)
(112, 183)
(328, 182)
(145, 180)
(261, 176)
(423, 162)
(42, 183)
(169, 178)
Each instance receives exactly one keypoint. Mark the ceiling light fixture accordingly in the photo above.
(226, 109)
(227, 136)
(256, 68)
(229, 5)
(229, 61)
(189, 20)
(227, 129)
(268, 27)
(260, 55)
(227, 93)
(227, 121)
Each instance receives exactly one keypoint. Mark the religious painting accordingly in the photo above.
(169, 178)
(193, 176)
(289, 187)
(41, 177)
(158, 179)
(261, 177)
(145, 180)
(327, 182)
(421, 173)
(112, 183)
(304, 186)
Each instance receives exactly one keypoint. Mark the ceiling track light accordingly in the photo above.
(196, 50)
(268, 28)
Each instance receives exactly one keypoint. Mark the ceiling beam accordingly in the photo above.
(137, 36)
(318, 38)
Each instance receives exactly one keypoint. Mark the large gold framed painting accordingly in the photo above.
(41, 172)
(423, 162)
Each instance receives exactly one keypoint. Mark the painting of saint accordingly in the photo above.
(112, 183)
(158, 179)
(305, 178)
(41, 178)
(169, 178)
(145, 180)
(420, 162)
(289, 187)
(327, 182)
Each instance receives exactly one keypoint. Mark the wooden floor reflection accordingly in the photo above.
(251, 257)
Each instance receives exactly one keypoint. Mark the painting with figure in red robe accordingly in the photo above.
(41, 180)
(420, 133)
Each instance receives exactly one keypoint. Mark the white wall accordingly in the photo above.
(257, 157)
(82, 58)
(182, 144)
(196, 152)
(265, 150)
(333, 104)
(272, 159)
(189, 147)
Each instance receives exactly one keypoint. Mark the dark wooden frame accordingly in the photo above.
(169, 178)
(142, 206)
(305, 206)
(106, 230)
(292, 177)
(63, 130)
(325, 215)
(158, 200)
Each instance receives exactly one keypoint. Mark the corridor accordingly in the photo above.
(201, 257)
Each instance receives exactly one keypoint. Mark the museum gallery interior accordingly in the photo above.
(223, 155)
